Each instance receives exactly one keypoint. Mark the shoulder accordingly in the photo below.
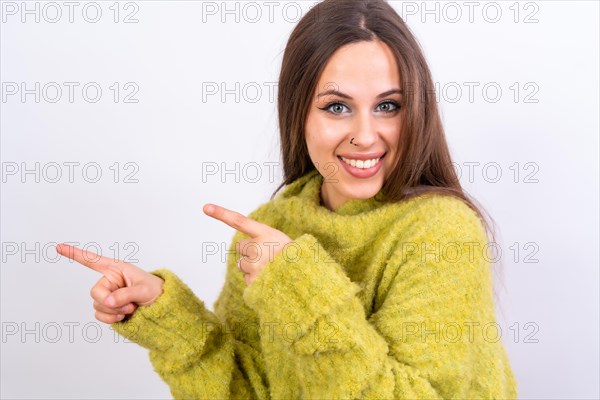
(434, 239)
(439, 216)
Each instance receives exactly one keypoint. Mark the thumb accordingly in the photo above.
(138, 294)
(123, 296)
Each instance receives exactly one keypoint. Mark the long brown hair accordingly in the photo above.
(423, 162)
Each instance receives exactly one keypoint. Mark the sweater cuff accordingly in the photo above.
(299, 285)
(176, 316)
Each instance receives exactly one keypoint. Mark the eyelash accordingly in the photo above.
(326, 108)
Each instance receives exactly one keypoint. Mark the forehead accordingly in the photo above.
(363, 67)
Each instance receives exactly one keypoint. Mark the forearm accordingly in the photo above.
(341, 355)
(322, 345)
(189, 347)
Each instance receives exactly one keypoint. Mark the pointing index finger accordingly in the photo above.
(235, 220)
(84, 257)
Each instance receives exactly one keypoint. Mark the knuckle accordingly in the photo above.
(254, 253)
(108, 318)
(94, 293)
(99, 316)
(247, 247)
(251, 257)
(102, 309)
(116, 296)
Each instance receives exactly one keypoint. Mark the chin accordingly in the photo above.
(362, 190)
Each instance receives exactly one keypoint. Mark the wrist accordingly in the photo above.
(156, 285)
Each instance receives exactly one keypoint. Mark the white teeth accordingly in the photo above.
(360, 163)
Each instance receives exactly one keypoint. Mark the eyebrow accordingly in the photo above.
(345, 96)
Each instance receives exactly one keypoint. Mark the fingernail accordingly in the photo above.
(110, 301)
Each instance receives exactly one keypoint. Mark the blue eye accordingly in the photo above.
(393, 104)
(339, 106)
(327, 107)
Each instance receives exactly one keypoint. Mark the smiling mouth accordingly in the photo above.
(362, 164)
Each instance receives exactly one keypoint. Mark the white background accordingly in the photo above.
(547, 213)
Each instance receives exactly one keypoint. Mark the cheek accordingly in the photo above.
(391, 134)
(321, 134)
(311, 128)
(311, 140)
(314, 143)
(329, 133)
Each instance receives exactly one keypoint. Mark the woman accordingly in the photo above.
(366, 277)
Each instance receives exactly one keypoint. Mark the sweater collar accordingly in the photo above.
(298, 208)
(308, 189)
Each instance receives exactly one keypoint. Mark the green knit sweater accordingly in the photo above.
(374, 300)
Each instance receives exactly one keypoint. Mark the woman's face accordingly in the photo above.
(357, 99)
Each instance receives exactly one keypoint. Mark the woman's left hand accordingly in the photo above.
(262, 246)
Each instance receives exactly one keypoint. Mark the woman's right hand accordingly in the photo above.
(122, 288)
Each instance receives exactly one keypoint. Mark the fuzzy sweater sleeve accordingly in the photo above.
(189, 347)
(322, 344)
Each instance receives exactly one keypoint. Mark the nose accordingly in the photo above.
(364, 130)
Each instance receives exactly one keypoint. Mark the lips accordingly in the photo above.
(362, 173)
(362, 156)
